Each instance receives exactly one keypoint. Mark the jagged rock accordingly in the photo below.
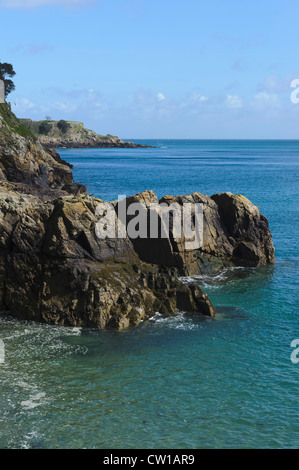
(247, 230)
(234, 234)
(54, 269)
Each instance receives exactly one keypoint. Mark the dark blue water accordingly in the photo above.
(178, 382)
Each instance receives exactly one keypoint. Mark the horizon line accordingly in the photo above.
(228, 139)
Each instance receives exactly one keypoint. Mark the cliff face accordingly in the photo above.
(53, 267)
(73, 135)
(27, 165)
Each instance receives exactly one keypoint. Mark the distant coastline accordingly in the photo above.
(73, 134)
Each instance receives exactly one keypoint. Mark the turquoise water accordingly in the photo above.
(181, 382)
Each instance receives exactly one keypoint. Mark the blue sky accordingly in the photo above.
(156, 68)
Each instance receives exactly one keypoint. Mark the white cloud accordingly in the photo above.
(69, 105)
(196, 97)
(65, 107)
(143, 98)
(27, 4)
(275, 84)
(263, 100)
(149, 105)
(160, 97)
(234, 101)
(22, 105)
(272, 84)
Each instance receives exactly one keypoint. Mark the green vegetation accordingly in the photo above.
(12, 123)
(63, 126)
(57, 131)
(44, 128)
(6, 70)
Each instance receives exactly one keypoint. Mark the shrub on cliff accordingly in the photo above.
(44, 128)
(63, 126)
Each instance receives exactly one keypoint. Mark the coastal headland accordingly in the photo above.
(54, 269)
(73, 134)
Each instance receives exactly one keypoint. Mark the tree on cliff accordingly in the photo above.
(44, 128)
(6, 70)
(63, 126)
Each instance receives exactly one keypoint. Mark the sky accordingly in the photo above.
(156, 69)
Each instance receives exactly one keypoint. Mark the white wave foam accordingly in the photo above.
(211, 280)
(156, 316)
(177, 322)
(34, 401)
(26, 444)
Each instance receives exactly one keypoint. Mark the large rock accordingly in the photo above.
(55, 269)
(234, 234)
(246, 229)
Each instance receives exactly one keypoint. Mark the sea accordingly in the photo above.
(181, 382)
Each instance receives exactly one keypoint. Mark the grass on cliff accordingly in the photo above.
(13, 124)
(76, 130)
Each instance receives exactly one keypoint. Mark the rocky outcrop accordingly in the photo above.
(75, 135)
(234, 234)
(26, 165)
(54, 268)
(246, 230)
